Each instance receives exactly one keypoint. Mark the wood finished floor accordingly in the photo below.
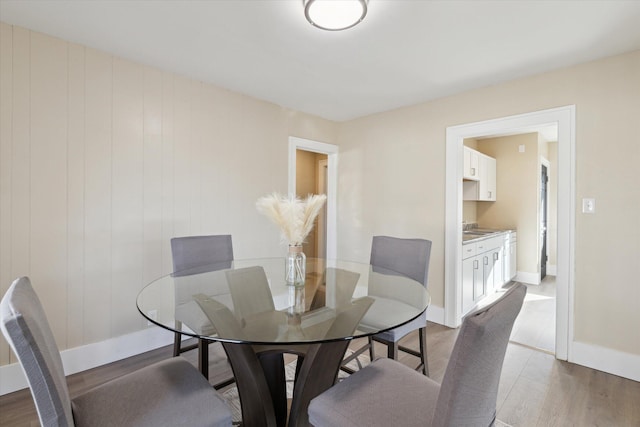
(535, 389)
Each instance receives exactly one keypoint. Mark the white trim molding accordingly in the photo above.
(603, 359)
(564, 118)
(331, 151)
(90, 356)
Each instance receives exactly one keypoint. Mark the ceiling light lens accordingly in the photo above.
(334, 15)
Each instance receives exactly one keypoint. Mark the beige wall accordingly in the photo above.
(469, 211)
(516, 204)
(103, 160)
(392, 181)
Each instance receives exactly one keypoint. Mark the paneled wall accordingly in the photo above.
(103, 160)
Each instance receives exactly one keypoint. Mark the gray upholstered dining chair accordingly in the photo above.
(171, 392)
(409, 257)
(193, 255)
(388, 393)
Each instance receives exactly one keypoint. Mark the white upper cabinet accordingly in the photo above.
(479, 176)
(487, 185)
(470, 170)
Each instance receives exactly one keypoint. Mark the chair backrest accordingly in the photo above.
(25, 326)
(469, 389)
(198, 254)
(405, 256)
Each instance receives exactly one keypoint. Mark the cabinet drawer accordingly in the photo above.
(468, 250)
(481, 246)
(493, 243)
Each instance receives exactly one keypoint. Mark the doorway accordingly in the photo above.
(525, 184)
(564, 118)
(329, 154)
(311, 177)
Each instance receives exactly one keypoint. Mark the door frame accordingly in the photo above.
(322, 178)
(564, 117)
(296, 143)
(543, 236)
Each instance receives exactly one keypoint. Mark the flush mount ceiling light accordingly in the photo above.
(335, 15)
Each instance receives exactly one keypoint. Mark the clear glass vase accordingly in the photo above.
(296, 300)
(296, 266)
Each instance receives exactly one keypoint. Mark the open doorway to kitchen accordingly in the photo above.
(564, 119)
(313, 169)
(522, 205)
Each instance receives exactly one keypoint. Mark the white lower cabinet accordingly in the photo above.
(510, 256)
(470, 276)
(482, 270)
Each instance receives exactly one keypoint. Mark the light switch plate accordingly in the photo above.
(588, 206)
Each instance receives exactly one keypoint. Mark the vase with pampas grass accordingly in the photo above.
(294, 217)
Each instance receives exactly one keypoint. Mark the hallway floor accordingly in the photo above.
(536, 325)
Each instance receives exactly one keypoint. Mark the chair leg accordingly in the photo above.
(423, 350)
(203, 357)
(354, 356)
(372, 352)
(176, 344)
(177, 339)
(392, 350)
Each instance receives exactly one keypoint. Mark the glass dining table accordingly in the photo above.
(248, 307)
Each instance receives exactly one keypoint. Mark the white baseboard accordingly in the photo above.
(528, 278)
(90, 356)
(552, 270)
(435, 314)
(603, 359)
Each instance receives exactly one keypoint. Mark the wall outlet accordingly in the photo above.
(588, 206)
(152, 314)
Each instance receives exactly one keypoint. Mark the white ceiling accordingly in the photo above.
(404, 52)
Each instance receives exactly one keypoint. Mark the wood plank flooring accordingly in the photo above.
(535, 389)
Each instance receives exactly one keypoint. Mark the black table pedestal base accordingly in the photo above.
(260, 378)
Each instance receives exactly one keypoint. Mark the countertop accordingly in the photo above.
(478, 234)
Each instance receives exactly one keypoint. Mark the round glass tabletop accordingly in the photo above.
(248, 301)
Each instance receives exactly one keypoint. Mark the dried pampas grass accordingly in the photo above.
(292, 215)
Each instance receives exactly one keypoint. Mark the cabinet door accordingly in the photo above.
(470, 170)
(491, 179)
(469, 266)
(506, 260)
(487, 186)
(480, 277)
(498, 269)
